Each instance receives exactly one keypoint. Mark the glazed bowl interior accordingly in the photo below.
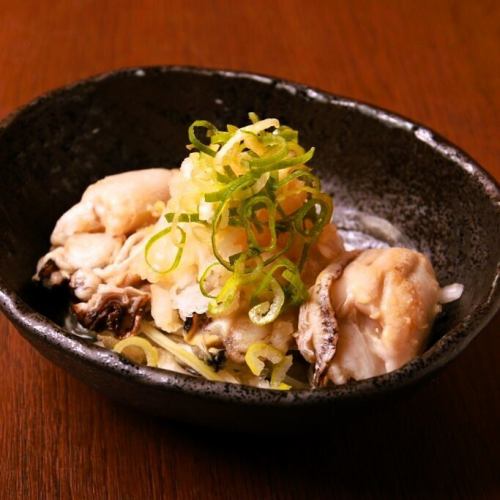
(372, 162)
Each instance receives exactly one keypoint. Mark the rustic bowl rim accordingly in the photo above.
(441, 353)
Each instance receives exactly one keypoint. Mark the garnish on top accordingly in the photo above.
(253, 180)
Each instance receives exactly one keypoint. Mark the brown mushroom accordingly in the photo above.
(119, 310)
(317, 326)
(193, 324)
(49, 274)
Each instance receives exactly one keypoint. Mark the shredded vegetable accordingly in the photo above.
(183, 354)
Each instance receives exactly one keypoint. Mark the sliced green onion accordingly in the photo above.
(266, 312)
(279, 373)
(254, 188)
(248, 275)
(320, 219)
(224, 179)
(229, 172)
(220, 137)
(196, 142)
(246, 165)
(150, 352)
(247, 215)
(183, 217)
(231, 188)
(283, 251)
(289, 134)
(254, 118)
(178, 254)
(303, 256)
(301, 215)
(288, 162)
(302, 174)
(299, 291)
(203, 280)
(241, 275)
(266, 279)
(275, 154)
(226, 296)
(216, 220)
(258, 351)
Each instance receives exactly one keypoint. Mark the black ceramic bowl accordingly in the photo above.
(372, 161)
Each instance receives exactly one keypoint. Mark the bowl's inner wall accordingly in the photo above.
(54, 149)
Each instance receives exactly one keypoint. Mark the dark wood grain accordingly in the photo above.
(434, 61)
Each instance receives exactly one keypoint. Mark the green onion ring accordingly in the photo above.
(178, 254)
(246, 216)
(195, 141)
(265, 313)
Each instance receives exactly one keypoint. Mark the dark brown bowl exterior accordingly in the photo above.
(369, 159)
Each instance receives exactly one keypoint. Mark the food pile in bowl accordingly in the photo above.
(229, 268)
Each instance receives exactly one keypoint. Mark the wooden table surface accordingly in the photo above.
(434, 61)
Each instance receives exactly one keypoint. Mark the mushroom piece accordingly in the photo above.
(317, 325)
(192, 324)
(119, 310)
(49, 273)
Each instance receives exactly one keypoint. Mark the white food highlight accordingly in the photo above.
(450, 293)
